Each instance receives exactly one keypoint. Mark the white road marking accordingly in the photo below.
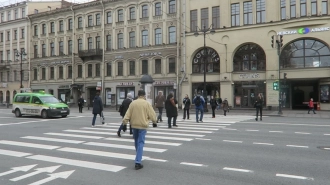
(276, 131)
(191, 128)
(175, 129)
(232, 141)
(147, 141)
(148, 149)
(53, 139)
(37, 171)
(326, 148)
(203, 139)
(53, 176)
(288, 124)
(302, 133)
(30, 145)
(229, 129)
(154, 159)
(294, 177)
(74, 135)
(13, 153)
(297, 146)
(252, 130)
(327, 134)
(78, 163)
(270, 144)
(238, 170)
(19, 123)
(192, 164)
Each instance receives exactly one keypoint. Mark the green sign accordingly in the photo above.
(275, 86)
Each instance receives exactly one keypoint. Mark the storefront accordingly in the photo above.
(166, 87)
(64, 93)
(212, 89)
(246, 92)
(122, 89)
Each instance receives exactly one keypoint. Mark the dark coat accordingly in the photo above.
(187, 103)
(259, 102)
(81, 101)
(160, 101)
(125, 105)
(170, 106)
(213, 102)
(225, 105)
(97, 105)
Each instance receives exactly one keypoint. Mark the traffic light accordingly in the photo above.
(275, 86)
(281, 41)
(273, 41)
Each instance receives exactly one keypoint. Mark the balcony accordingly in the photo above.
(90, 53)
(4, 64)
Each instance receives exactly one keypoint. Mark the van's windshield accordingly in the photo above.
(49, 99)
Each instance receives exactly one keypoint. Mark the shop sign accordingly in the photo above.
(163, 83)
(303, 31)
(249, 76)
(64, 87)
(56, 62)
(126, 84)
(150, 54)
(119, 57)
(99, 84)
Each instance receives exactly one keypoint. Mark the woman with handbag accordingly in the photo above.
(171, 110)
(258, 105)
(186, 107)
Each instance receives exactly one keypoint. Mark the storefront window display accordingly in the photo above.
(212, 89)
(122, 93)
(325, 93)
(64, 95)
(245, 93)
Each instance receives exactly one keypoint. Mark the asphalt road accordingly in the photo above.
(231, 150)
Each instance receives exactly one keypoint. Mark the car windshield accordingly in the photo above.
(49, 99)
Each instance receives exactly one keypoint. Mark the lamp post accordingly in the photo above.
(278, 39)
(204, 31)
(20, 56)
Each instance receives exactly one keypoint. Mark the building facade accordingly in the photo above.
(14, 45)
(240, 59)
(105, 46)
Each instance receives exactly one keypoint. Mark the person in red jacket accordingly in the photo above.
(311, 106)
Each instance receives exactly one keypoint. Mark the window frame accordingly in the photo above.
(120, 40)
(52, 49)
(235, 14)
(120, 68)
(132, 13)
(324, 4)
(145, 11)
(43, 73)
(109, 18)
(109, 42)
(61, 25)
(145, 38)
(293, 5)
(120, 14)
(145, 66)
(89, 70)
(158, 9)
(80, 22)
(261, 11)
(158, 66)
(132, 42)
(204, 18)
(314, 8)
(109, 69)
(44, 29)
(158, 36)
(35, 74)
(171, 6)
(283, 9)
(79, 71)
(61, 48)
(80, 44)
(89, 43)
(215, 17)
(132, 68)
(193, 20)
(90, 20)
(52, 27)
(43, 50)
(98, 19)
(51, 73)
(69, 71)
(70, 47)
(60, 72)
(35, 30)
(98, 42)
(248, 13)
(172, 35)
(97, 70)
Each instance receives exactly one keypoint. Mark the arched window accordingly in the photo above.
(305, 53)
(250, 57)
(158, 36)
(145, 13)
(171, 6)
(172, 34)
(211, 57)
(145, 39)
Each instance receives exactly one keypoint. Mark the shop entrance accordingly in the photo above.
(92, 93)
(302, 91)
(247, 92)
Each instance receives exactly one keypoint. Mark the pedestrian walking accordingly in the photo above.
(199, 107)
(159, 103)
(311, 106)
(225, 106)
(97, 107)
(123, 109)
(81, 102)
(258, 105)
(213, 104)
(186, 107)
(139, 113)
(171, 110)
(219, 103)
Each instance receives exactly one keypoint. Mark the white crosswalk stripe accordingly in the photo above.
(102, 141)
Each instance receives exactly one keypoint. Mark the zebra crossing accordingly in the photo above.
(83, 146)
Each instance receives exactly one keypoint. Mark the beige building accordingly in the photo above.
(241, 62)
(107, 46)
(14, 42)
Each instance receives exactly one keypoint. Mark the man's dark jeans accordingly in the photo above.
(160, 110)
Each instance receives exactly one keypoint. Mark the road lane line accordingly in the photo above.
(287, 124)
(232, 141)
(147, 141)
(276, 131)
(297, 146)
(326, 148)
(229, 129)
(78, 163)
(175, 129)
(148, 149)
(252, 130)
(327, 134)
(270, 144)
(191, 128)
(302, 133)
(13, 153)
(154, 159)
(294, 177)
(19, 123)
(53, 139)
(203, 139)
(192, 164)
(30, 145)
(238, 170)
(74, 135)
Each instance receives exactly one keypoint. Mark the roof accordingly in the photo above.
(36, 94)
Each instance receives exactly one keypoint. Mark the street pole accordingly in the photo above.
(205, 58)
(279, 76)
(20, 56)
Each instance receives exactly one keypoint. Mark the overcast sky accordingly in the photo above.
(9, 2)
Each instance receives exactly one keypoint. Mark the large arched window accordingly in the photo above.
(305, 53)
(211, 57)
(250, 57)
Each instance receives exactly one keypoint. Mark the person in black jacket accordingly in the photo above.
(81, 102)
(214, 104)
(258, 105)
(125, 106)
(97, 107)
(186, 107)
(171, 110)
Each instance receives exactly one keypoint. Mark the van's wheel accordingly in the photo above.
(44, 114)
(64, 116)
(18, 113)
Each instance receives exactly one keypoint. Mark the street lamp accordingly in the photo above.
(204, 31)
(20, 56)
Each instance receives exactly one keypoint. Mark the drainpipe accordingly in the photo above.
(72, 52)
(183, 42)
(28, 51)
(103, 55)
(178, 51)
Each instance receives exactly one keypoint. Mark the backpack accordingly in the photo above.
(198, 101)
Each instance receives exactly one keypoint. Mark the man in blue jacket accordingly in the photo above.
(199, 106)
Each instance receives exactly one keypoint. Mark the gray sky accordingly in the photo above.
(9, 2)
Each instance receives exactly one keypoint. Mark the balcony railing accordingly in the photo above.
(90, 53)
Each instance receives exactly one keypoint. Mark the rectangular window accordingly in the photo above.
(216, 17)
(79, 71)
(8, 35)
(80, 45)
(69, 72)
(36, 30)
(52, 49)
(109, 42)
(98, 42)
(43, 74)
(193, 20)
(324, 7)
(132, 13)
(293, 8)
(98, 19)
(35, 74)
(97, 70)
(90, 43)
(8, 55)
(52, 73)
(235, 14)
(61, 25)
(109, 18)
(90, 70)
(70, 24)
(171, 65)
(60, 72)
(314, 7)
(120, 68)
(145, 13)
(303, 8)
(44, 29)
(23, 12)
(16, 14)
(247, 8)
(1, 76)
(132, 68)
(80, 24)
(120, 15)
(132, 39)
(144, 67)
(204, 18)
(283, 9)
(35, 51)
(1, 37)
(52, 27)
(172, 34)
(261, 11)
(61, 48)
(109, 69)
(158, 9)
(69, 47)
(158, 66)
(145, 36)
(120, 41)
(23, 33)
(15, 34)
(43, 50)
(90, 20)
(172, 6)
(158, 36)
